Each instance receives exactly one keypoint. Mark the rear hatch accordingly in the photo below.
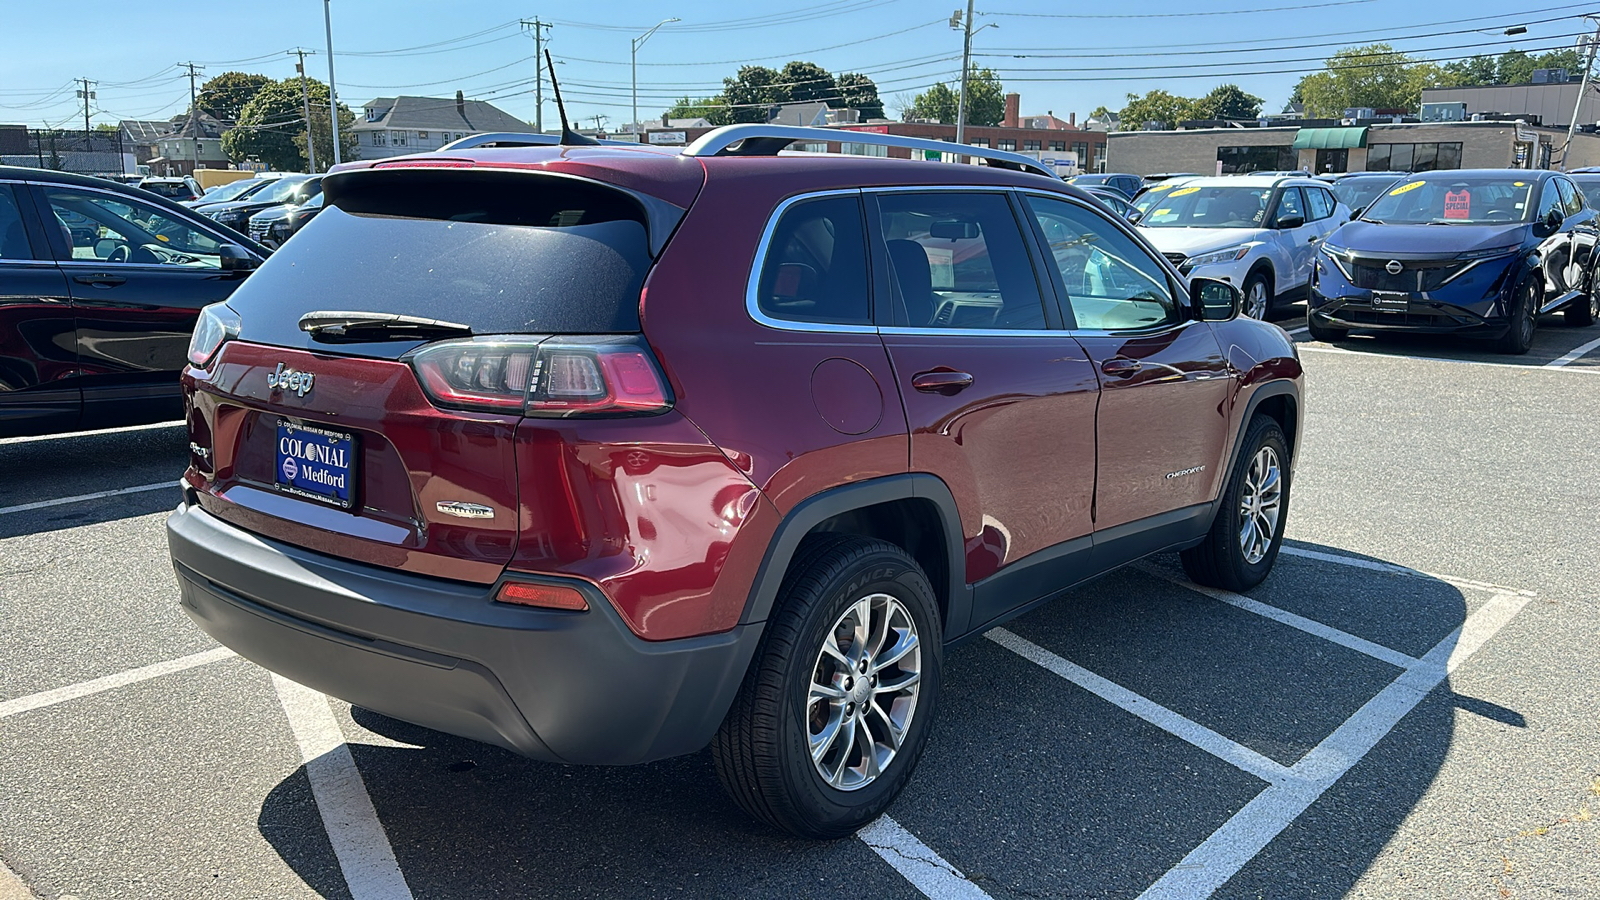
(382, 427)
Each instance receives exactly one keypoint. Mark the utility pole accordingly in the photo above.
(966, 64)
(194, 114)
(633, 57)
(1588, 65)
(599, 122)
(538, 28)
(333, 95)
(86, 95)
(305, 102)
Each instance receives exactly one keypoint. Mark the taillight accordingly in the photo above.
(216, 324)
(544, 376)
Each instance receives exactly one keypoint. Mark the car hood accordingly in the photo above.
(234, 205)
(1375, 239)
(274, 212)
(1195, 241)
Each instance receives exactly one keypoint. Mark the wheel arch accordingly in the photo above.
(915, 512)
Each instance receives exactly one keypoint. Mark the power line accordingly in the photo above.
(1182, 15)
(838, 7)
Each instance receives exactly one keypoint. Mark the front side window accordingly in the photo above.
(13, 237)
(1290, 205)
(815, 268)
(108, 228)
(1112, 283)
(1570, 201)
(1550, 201)
(959, 260)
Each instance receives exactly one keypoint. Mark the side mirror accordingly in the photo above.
(1134, 215)
(1356, 213)
(1213, 300)
(1287, 222)
(236, 259)
(1553, 220)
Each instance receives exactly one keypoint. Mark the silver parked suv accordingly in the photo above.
(1257, 232)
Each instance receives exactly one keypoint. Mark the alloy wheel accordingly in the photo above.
(1530, 313)
(863, 693)
(1260, 505)
(1255, 300)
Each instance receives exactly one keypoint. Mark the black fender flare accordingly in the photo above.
(859, 495)
(1267, 391)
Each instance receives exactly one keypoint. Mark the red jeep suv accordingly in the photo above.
(604, 454)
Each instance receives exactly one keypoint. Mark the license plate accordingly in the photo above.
(316, 464)
(1391, 301)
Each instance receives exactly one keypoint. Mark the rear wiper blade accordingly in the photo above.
(326, 325)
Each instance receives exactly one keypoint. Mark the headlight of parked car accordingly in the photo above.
(1231, 254)
(1340, 257)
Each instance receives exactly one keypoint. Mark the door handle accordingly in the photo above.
(1313, 239)
(100, 280)
(941, 381)
(1120, 366)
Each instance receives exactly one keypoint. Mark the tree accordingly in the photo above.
(712, 109)
(226, 95)
(271, 127)
(807, 82)
(857, 91)
(987, 105)
(1228, 102)
(753, 92)
(1374, 76)
(937, 103)
(1159, 107)
(1470, 72)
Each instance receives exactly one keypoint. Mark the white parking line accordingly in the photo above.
(97, 495)
(359, 841)
(926, 870)
(1575, 354)
(1326, 632)
(34, 439)
(1221, 856)
(1301, 330)
(1396, 569)
(1145, 708)
(85, 688)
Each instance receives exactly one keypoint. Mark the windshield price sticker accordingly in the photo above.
(1458, 204)
(1182, 191)
(1406, 187)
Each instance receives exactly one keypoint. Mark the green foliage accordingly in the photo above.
(225, 96)
(1228, 101)
(272, 127)
(937, 103)
(986, 106)
(711, 109)
(754, 90)
(1474, 70)
(1516, 67)
(808, 82)
(857, 91)
(1160, 107)
(1375, 75)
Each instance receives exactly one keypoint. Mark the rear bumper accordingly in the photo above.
(552, 685)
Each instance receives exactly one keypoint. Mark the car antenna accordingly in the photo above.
(568, 136)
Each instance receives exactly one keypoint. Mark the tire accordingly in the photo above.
(1230, 557)
(1582, 312)
(762, 752)
(1257, 303)
(1524, 319)
(1325, 333)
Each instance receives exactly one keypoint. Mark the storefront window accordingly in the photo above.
(1413, 157)
(1238, 160)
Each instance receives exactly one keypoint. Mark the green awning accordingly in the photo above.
(1330, 138)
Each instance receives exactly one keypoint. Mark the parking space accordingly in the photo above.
(1358, 725)
(1555, 344)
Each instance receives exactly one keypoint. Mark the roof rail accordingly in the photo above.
(768, 140)
(515, 139)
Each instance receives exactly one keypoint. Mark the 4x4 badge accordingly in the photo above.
(290, 380)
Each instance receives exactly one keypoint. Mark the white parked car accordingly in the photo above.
(1257, 232)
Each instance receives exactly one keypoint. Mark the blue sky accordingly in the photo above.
(1066, 62)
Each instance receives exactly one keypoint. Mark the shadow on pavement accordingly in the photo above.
(1030, 785)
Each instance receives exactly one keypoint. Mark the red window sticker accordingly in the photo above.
(1458, 204)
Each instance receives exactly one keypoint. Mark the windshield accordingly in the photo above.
(233, 190)
(280, 191)
(1454, 199)
(1590, 186)
(1155, 194)
(1358, 193)
(1209, 207)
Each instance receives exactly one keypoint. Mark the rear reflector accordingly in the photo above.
(545, 595)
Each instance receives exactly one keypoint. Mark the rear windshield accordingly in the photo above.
(501, 253)
(168, 189)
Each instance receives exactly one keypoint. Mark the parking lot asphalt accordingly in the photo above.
(1405, 708)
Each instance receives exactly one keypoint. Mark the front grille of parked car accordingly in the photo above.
(1417, 275)
(1177, 259)
(258, 231)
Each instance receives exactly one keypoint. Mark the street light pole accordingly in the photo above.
(634, 57)
(1583, 88)
(966, 64)
(333, 95)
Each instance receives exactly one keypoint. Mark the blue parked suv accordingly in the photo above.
(1472, 252)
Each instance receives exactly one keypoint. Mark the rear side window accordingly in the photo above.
(1320, 203)
(815, 269)
(503, 253)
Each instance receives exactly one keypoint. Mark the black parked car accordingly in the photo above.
(292, 190)
(1588, 181)
(100, 285)
(233, 190)
(1128, 185)
(1475, 252)
(271, 227)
